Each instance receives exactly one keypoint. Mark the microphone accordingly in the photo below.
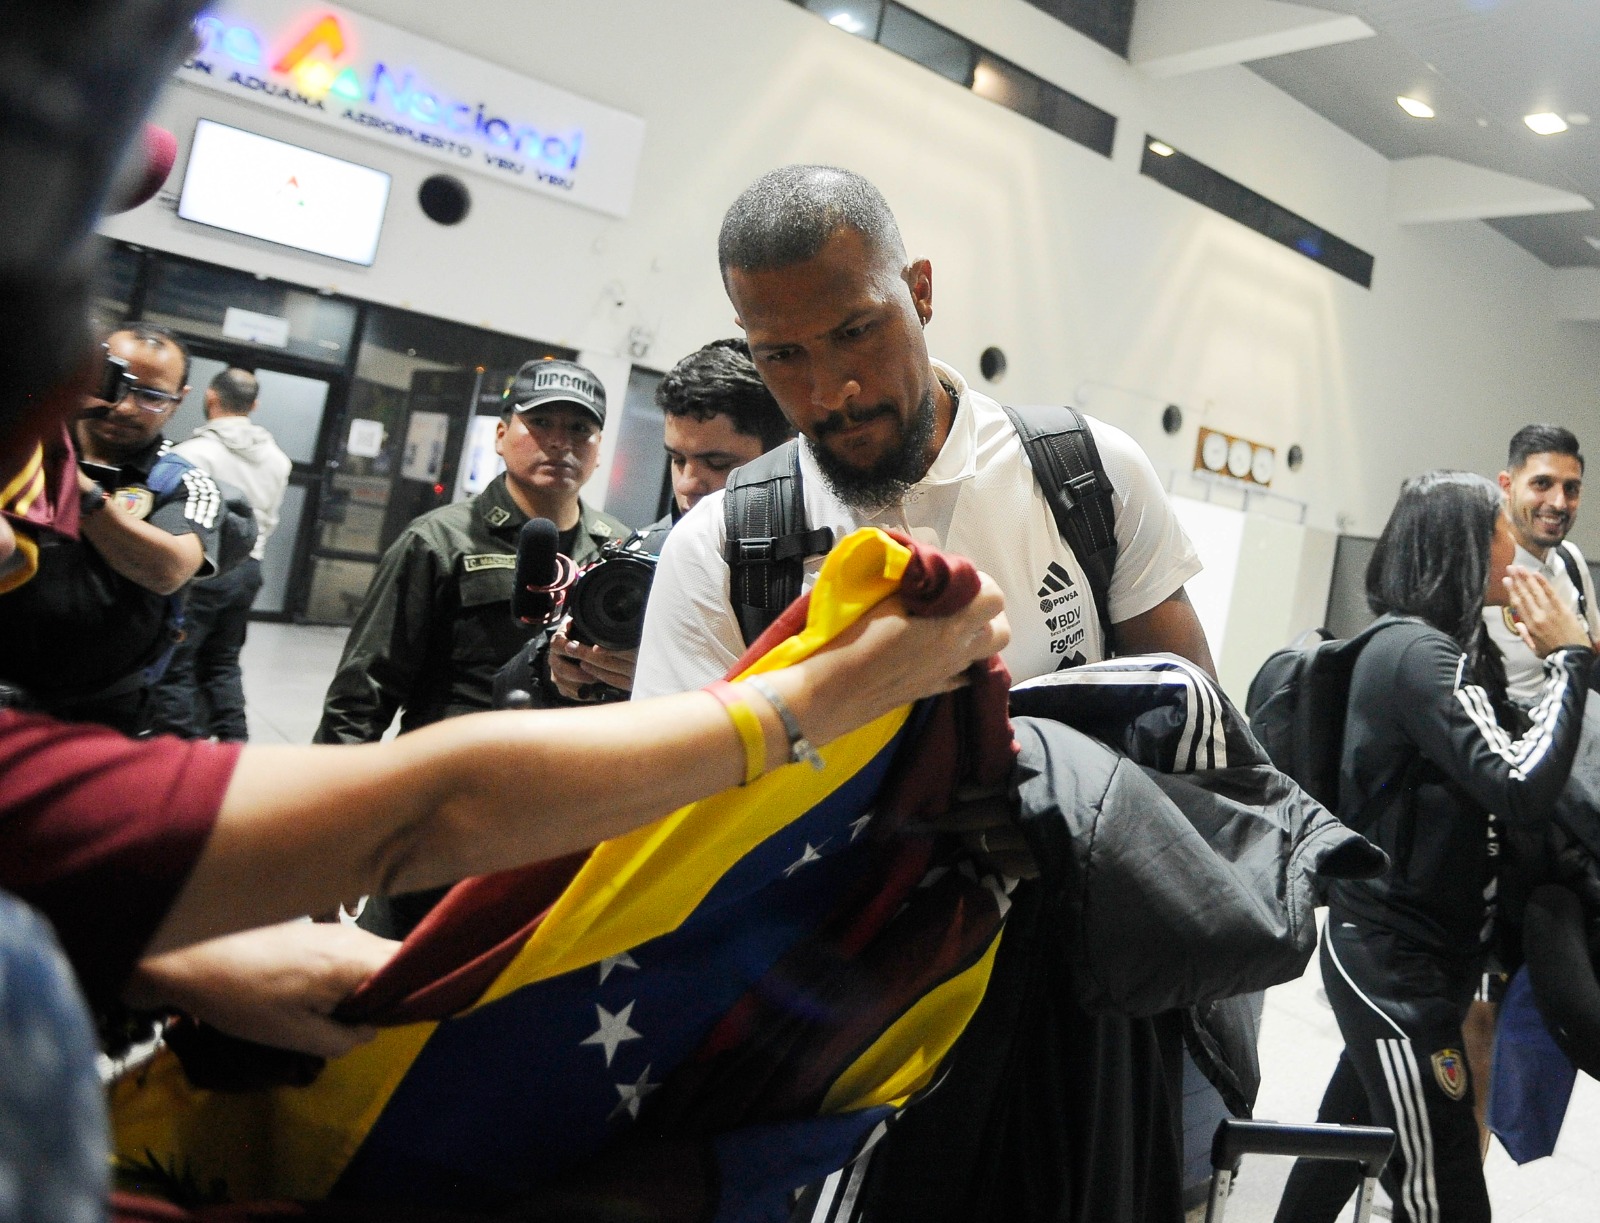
(542, 576)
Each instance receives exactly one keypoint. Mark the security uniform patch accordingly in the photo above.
(1450, 1071)
(488, 560)
(498, 516)
(135, 500)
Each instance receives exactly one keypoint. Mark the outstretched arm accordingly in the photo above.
(495, 790)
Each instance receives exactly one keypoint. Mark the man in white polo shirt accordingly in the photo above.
(1543, 483)
(834, 313)
(892, 438)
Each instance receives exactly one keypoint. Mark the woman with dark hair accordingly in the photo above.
(1425, 763)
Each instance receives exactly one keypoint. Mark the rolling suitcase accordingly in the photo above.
(1366, 1145)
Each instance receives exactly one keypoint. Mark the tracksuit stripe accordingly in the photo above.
(1526, 753)
(1333, 954)
(1430, 1184)
(1403, 1130)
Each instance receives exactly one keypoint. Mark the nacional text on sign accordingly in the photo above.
(350, 70)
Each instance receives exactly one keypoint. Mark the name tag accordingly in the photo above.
(488, 560)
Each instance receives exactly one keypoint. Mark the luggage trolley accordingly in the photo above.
(1366, 1145)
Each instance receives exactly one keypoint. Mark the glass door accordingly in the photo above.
(293, 407)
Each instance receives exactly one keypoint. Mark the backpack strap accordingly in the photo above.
(764, 514)
(1066, 463)
(1573, 572)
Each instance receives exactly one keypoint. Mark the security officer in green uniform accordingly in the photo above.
(436, 623)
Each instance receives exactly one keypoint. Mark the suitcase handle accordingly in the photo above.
(1366, 1145)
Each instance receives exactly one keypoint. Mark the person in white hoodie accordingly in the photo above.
(202, 693)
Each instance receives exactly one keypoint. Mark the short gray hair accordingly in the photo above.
(236, 390)
(786, 215)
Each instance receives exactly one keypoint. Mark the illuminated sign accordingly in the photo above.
(352, 71)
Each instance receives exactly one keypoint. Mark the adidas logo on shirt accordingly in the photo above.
(1056, 579)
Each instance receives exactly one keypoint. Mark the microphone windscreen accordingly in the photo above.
(537, 566)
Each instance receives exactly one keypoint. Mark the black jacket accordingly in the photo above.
(1179, 871)
(1425, 762)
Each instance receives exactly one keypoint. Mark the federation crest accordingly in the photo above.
(1450, 1070)
(1510, 617)
(135, 500)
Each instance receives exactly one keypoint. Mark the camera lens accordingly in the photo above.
(607, 603)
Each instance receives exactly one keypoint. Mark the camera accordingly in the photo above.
(607, 601)
(113, 382)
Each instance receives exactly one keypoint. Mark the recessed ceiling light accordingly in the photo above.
(1592, 241)
(1415, 107)
(1546, 123)
(1160, 149)
(848, 22)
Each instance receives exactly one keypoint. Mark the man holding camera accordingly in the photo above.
(91, 633)
(718, 415)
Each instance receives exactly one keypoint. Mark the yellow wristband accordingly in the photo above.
(748, 726)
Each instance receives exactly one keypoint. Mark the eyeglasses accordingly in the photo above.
(147, 397)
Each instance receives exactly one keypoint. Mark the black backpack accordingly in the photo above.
(1297, 704)
(768, 541)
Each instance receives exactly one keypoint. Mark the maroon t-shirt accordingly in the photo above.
(99, 832)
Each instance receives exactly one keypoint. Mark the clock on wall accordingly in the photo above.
(1237, 458)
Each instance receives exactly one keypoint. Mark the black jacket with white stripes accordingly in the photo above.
(1425, 763)
(1179, 870)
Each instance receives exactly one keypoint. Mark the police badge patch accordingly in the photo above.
(135, 500)
(1450, 1071)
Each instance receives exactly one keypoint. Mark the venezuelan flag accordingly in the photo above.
(729, 1001)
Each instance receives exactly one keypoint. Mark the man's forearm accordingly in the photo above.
(450, 800)
(145, 555)
(301, 828)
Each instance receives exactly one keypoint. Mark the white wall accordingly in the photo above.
(1098, 283)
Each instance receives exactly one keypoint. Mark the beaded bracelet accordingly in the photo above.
(748, 726)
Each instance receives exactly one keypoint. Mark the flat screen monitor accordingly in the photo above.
(239, 181)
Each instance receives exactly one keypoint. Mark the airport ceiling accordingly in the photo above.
(1480, 65)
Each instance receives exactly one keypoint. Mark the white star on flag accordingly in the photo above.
(613, 1030)
(858, 826)
(807, 856)
(633, 1095)
(616, 961)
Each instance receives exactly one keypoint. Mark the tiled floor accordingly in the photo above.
(286, 673)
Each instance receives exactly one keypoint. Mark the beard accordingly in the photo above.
(868, 489)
